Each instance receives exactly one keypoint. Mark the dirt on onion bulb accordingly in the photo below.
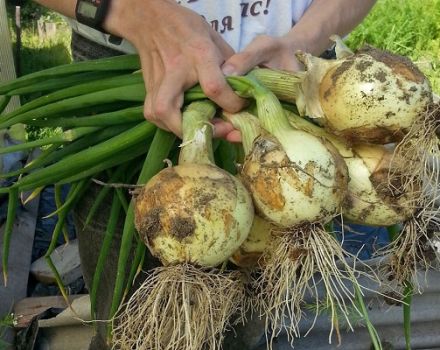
(370, 96)
(369, 200)
(298, 182)
(193, 217)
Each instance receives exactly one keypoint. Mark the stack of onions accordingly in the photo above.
(377, 97)
(387, 189)
(298, 183)
(369, 199)
(193, 217)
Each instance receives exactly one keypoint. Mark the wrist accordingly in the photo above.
(305, 39)
(115, 22)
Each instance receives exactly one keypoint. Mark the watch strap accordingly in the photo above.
(92, 13)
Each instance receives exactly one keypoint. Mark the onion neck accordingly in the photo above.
(248, 125)
(270, 111)
(196, 147)
(302, 124)
(285, 85)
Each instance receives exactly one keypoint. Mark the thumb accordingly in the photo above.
(240, 63)
(253, 55)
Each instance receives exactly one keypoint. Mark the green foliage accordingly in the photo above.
(31, 11)
(407, 27)
(6, 322)
(37, 54)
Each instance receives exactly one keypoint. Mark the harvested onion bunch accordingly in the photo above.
(393, 186)
(298, 182)
(193, 217)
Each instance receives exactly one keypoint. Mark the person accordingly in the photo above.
(185, 42)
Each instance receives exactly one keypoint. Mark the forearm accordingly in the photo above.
(324, 18)
(65, 7)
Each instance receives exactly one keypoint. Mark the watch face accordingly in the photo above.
(87, 9)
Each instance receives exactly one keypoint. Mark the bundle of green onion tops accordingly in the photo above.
(352, 136)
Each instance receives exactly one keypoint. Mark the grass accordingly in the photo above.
(37, 54)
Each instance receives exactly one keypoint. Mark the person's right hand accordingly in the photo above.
(178, 49)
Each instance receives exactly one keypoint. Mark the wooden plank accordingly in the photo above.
(26, 309)
(7, 69)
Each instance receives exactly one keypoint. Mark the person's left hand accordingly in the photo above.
(264, 50)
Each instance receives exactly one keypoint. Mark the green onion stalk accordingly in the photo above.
(298, 183)
(192, 217)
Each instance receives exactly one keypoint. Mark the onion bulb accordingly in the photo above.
(390, 186)
(249, 254)
(298, 182)
(193, 217)
(416, 167)
(369, 199)
(370, 96)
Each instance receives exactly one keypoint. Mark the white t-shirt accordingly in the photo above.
(238, 21)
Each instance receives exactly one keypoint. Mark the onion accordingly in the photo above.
(416, 166)
(249, 254)
(371, 96)
(192, 217)
(294, 177)
(298, 182)
(395, 186)
(370, 200)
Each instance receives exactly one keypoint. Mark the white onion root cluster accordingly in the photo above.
(183, 307)
(416, 168)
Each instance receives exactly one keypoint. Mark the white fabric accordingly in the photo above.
(238, 21)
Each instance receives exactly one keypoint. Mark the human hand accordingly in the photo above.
(177, 49)
(264, 50)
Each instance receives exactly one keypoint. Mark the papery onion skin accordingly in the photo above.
(193, 213)
(370, 200)
(300, 179)
(373, 96)
(251, 250)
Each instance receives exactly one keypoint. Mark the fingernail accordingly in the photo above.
(228, 70)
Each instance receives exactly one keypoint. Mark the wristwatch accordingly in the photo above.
(92, 13)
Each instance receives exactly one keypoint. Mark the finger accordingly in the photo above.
(221, 128)
(256, 53)
(216, 88)
(233, 136)
(152, 70)
(169, 101)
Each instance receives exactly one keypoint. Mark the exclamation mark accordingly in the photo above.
(266, 11)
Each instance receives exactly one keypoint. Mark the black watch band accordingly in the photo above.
(92, 13)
